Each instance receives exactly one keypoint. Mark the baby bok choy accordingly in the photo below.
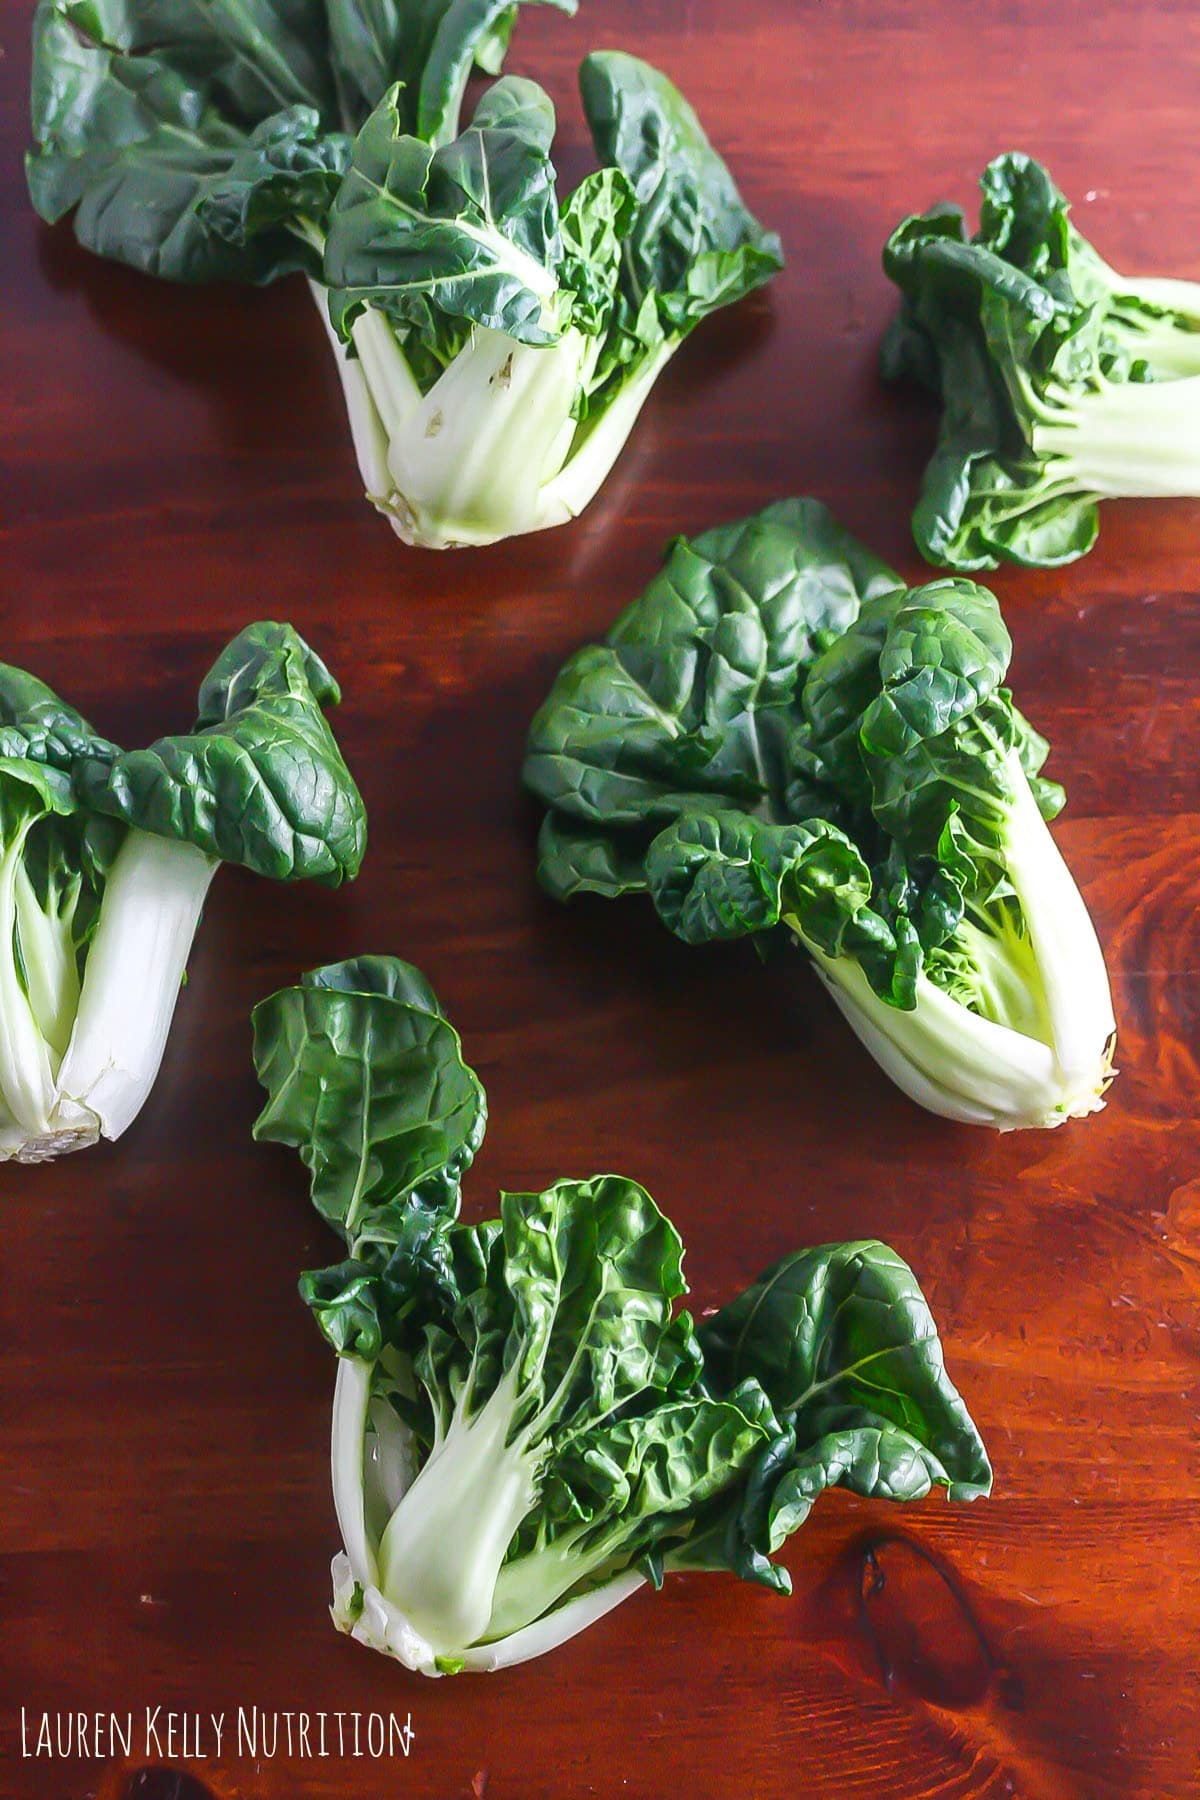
(105, 859)
(779, 737)
(527, 1428)
(1062, 383)
(502, 345)
(494, 346)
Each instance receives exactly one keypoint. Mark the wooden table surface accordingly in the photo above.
(176, 464)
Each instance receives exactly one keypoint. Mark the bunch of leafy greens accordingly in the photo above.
(494, 346)
(1062, 383)
(526, 1427)
(779, 736)
(204, 140)
(105, 860)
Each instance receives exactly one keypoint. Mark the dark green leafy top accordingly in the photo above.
(443, 237)
(143, 113)
(204, 140)
(259, 781)
(428, 47)
(463, 229)
(778, 733)
(691, 701)
(367, 1081)
(844, 1346)
(691, 241)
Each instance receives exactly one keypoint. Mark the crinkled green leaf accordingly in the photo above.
(841, 1339)
(469, 31)
(287, 174)
(651, 1468)
(908, 714)
(840, 1342)
(366, 1080)
(578, 859)
(910, 711)
(945, 653)
(722, 875)
(142, 112)
(260, 781)
(464, 228)
(595, 223)
(692, 700)
(694, 245)
(36, 724)
(385, 975)
(593, 1269)
(428, 46)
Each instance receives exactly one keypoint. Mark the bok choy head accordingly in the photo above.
(780, 737)
(503, 344)
(105, 859)
(1062, 383)
(527, 1427)
(494, 344)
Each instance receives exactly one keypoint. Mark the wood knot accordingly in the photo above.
(925, 1636)
(165, 1784)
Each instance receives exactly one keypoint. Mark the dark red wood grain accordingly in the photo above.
(175, 464)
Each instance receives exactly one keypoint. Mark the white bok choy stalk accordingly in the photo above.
(493, 449)
(373, 1461)
(117, 1018)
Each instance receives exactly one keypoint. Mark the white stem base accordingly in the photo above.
(58, 1139)
(131, 981)
(492, 450)
(132, 978)
(363, 1611)
(945, 1057)
(370, 1618)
